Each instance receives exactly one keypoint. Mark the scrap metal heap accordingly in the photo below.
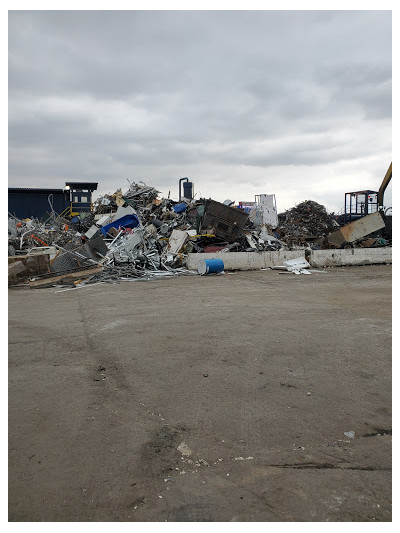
(305, 223)
(137, 236)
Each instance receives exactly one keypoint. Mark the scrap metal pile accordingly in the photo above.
(129, 236)
(121, 240)
(305, 223)
(138, 236)
(48, 248)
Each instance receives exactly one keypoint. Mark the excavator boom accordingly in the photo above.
(384, 184)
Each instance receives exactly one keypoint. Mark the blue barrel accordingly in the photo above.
(210, 266)
(179, 208)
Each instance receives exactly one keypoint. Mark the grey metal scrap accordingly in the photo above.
(12, 228)
(142, 194)
(63, 262)
(131, 272)
(71, 258)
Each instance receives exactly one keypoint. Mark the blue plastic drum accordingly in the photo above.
(210, 266)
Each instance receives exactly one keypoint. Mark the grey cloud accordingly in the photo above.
(160, 92)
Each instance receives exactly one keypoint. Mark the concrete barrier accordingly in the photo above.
(245, 260)
(352, 256)
(317, 259)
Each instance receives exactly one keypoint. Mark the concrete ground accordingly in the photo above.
(215, 398)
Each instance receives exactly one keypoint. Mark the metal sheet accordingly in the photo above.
(358, 229)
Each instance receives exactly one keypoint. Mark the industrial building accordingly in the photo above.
(74, 198)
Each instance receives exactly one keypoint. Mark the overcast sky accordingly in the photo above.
(295, 103)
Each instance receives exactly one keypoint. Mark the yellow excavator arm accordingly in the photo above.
(384, 184)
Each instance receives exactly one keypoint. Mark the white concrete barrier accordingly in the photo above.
(352, 256)
(245, 260)
(317, 259)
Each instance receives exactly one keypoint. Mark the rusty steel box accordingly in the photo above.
(227, 222)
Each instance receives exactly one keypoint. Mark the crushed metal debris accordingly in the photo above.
(136, 236)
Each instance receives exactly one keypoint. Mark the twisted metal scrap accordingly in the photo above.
(306, 220)
(132, 272)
